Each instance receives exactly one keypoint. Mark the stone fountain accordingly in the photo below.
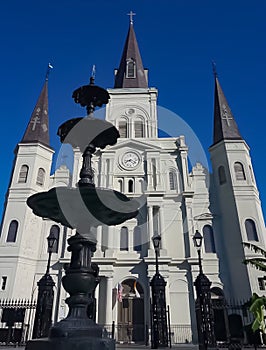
(82, 208)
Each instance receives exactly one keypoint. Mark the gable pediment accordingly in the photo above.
(204, 216)
(136, 144)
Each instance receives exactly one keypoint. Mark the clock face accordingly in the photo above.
(130, 160)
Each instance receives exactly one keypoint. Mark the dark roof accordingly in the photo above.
(131, 52)
(38, 126)
(225, 127)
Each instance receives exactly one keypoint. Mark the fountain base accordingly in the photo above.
(75, 343)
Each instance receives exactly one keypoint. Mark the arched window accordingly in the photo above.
(131, 69)
(239, 171)
(4, 280)
(124, 238)
(55, 230)
(12, 231)
(40, 177)
(208, 239)
(172, 180)
(120, 184)
(137, 238)
(122, 128)
(130, 186)
(139, 128)
(251, 230)
(23, 174)
(221, 174)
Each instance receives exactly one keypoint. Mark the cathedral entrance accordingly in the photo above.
(130, 317)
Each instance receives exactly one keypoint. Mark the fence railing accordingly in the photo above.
(140, 334)
(181, 334)
(232, 323)
(232, 320)
(128, 333)
(16, 321)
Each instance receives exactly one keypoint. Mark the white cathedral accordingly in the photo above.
(224, 206)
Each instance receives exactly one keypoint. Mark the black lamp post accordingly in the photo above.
(204, 311)
(159, 336)
(197, 239)
(51, 239)
(156, 244)
(44, 308)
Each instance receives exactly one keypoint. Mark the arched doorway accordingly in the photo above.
(221, 323)
(130, 316)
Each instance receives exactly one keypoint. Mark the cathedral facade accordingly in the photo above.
(176, 201)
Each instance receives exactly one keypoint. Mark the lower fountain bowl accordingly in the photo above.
(83, 207)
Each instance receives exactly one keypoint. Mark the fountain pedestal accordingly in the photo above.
(82, 207)
(78, 330)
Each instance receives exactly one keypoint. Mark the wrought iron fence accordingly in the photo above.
(232, 323)
(140, 334)
(16, 321)
(181, 334)
(128, 333)
(232, 320)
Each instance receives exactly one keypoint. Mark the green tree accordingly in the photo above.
(257, 307)
(257, 303)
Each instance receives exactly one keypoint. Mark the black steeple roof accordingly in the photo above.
(225, 127)
(131, 73)
(38, 126)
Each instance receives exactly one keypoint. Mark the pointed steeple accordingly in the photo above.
(38, 126)
(131, 73)
(225, 127)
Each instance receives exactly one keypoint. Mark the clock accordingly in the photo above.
(130, 160)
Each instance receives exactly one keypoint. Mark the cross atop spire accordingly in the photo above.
(49, 67)
(93, 75)
(214, 69)
(131, 14)
(93, 71)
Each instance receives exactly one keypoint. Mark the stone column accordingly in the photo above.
(102, 172)
(149, 174)
(162, 228)
(109, 296)
(167, 291)
(96, 295)
(130, 239)
(99, 241)
(158, 174)
(110, 241)
(150, 221)
(110, 173)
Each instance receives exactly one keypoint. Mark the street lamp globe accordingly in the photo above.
(197, 239)
(156, 242)
(51, 241)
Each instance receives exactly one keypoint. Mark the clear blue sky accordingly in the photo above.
(177, 39)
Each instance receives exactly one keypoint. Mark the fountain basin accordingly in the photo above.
(83, 207)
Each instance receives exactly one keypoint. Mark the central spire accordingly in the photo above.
(131, 73)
